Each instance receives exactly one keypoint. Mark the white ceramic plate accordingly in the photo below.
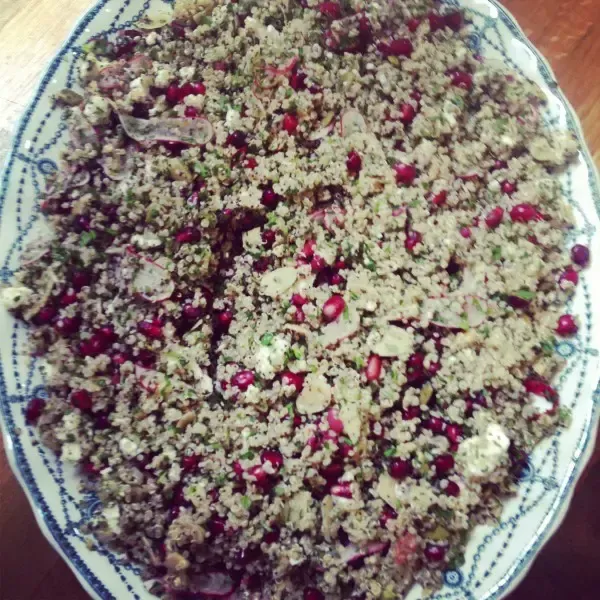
(498, 557)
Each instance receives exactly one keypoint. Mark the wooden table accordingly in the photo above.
(566, 31)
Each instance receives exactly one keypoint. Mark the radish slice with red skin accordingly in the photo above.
(286, 70)
(444, 311)
(195, 132)
(153, 281)
(149, 379)
(112, 78)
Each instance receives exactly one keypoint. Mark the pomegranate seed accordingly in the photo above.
(354, 162)
(238, 470)
(261, 478)
(373, 370)
(191, 112)
(268, 238)
(68, 298)
(314, 442)
(191, 312)
(413, 24)
(434, 552)
(294, 379)
(443, 463)
(80, 279)
(413, 239)
(45, 315)
(119, 358)
(333, 471)
(308, 250)
(410, 413)
(89, 468)
(454, 433)
(243, 380)
(297, 81)
(462, 80)
(436, 22)
(198, 88)
(298, 300)
(499, 165)
(190, 463)
(440, 198)
(299, 316)
(400, 47)
(537, 386)
(224, 318)
(452, 489)
(290, 123)
(569, 276)
(580, 255)
(407, 113)
(173, 94)
(82, 400)
(405, 174)
(34, 410)
(216, 525)
(237, 139)
(262, 264)
(494, 217)
(188, 235)
(187, 89)
(220, 65)
(272, 456)
(387, 514)
(400, 468)
(336, 279)
(523, 213)
(454, 20)
(435, 425)
(151, 329)
(96, 345)
(272, 536)
(178, 29)
(67, 326)
(317, 264)
(269, 198)
(508, 187)
(333, 308)
(342, 490)
(251, 163)
(334, 422)
(567, 326)
(465, 232)
(331, 10)
(311, 593)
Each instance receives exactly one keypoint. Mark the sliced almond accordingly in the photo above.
(275, 283)
(315, 396)
(386, 490)
(395, 342)
(153, 280)
(350, 415)
(347, 325)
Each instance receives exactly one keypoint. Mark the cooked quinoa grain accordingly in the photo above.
(300, 293)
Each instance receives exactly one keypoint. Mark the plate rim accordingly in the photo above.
(562, 503)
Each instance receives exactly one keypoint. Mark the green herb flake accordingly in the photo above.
(346, 314)
(547, 347)
(565, 416)
(130, 198)
(525, 295)
(390, 452)
(247, 455)
(246, 502)
(86, 238)
(267, 339)
(354, 296)
(290, 408)
(497, 253)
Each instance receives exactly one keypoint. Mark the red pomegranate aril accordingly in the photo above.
(33, 411)
(188, 235)
(407, 113)
(399, 47)
(537, 386)
(268, 238)
(569, 275)
(299, 316)
(317, 264)
(237, 139)
(187, 89)
(260, 476)
(465, 232)
(454, 20)
(354, 162)
(172, 94)
(273, 457)
(190, 463)
(298, 300)
(294, 379)
(82, 223)
(191, 112)
(434, 552)
(314, 442)
(262, 264)
(272, 536)
(336, 279)
(269, 198)
(82, 400)
(108, 333)
(400, 468)
(454, 433)
(151, 329)
(387, 514)
(66, 326)
(243, 380)
(89, 468)
(508, 187)
(494, 217)
(567, 326)
(68, 298)
(443, 463)
(216, 525)
(411, 412)
(224, 318)
(290, 123)
(436, 22)
(342, 490)
(333, 471)
(523, 213)
(439, 199)
(405, 174)
(435, 425)
(580, 255)
(191, 312)
(238, 470)
(452, 489)
(334, 422)
(413, 239)
(331, 10)
(333, 308)
(373, 369)
(45, 315)
(198, 88)
(462, 79)
(297, 81)
(251, 163)
(413, 24)
(311, 593)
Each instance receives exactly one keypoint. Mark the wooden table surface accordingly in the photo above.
(566, 31)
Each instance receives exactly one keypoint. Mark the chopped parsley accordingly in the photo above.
(87, 237)
(246, 502)
(525, 294)
(267, 339)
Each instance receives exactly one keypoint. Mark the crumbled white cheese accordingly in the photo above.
(128, 447)
(13, 297)
(97, 110)
(315, 396)
(111, 515)
(146, 240)
(71, 452)
(482, 454)
(394, 342)
(271, 358)
(301, 515)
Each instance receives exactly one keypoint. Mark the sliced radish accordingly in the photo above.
(315, 396)
(195, 132)
(155, 21)
(139, 63)
(275, 283)
(112, 78)
(352, 122)
(476, 311)
(285, 70)
(153, 281)
(395, 342)
(149, 379)
(214, 584)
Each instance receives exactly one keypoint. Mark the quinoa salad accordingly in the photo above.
(304, 269)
